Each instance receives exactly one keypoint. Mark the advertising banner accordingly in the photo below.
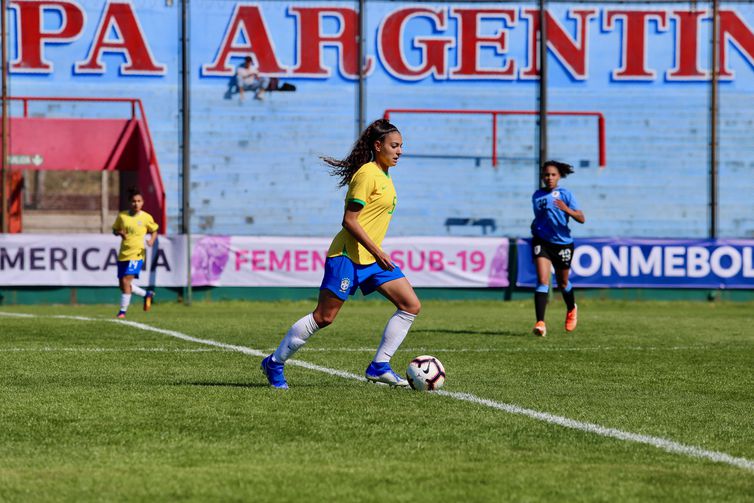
(242, 261)
(84, 260)
(295, 261)
(652, 263)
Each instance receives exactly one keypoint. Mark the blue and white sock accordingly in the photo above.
(125, 300)
(295, 338)
(395, 331)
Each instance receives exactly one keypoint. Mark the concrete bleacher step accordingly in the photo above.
(66, 222)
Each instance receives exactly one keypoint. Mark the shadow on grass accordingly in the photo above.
(499, 333)
(223, 384)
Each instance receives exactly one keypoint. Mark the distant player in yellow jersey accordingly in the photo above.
(356, 260)
(132, 226)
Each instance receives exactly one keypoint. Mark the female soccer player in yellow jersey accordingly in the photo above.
(132, 226)
(355, 258)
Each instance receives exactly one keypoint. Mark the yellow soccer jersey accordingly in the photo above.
(136, 227)
(373, 188)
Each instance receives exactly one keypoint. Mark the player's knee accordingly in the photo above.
(323, 319)
(413, 307)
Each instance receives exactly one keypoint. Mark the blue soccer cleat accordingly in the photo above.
(380, 372)
(274, 373)
(121, 315)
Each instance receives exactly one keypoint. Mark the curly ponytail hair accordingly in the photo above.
(361, 153)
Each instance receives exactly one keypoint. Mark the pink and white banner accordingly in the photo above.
(85, 260)
(245, 261)
(294, 261)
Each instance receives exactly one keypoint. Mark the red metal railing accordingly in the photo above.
(496, 113)
(135, 104)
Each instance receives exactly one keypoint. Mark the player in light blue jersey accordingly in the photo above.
(552, 245)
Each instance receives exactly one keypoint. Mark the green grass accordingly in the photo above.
(95, 410)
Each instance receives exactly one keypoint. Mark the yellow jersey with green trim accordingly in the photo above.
(374, 189)
(136, 226)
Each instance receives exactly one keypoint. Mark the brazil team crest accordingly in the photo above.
(345, 283)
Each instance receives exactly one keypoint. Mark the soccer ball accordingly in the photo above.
(425, 373)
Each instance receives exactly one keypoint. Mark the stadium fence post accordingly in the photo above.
(713, 112)
(542, 87)
(186, 147)
(5, 121)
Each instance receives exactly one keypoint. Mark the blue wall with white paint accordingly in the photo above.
(255, 165)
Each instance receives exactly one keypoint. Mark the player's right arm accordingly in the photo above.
(571, 208)
(352, 225)
(118, 228)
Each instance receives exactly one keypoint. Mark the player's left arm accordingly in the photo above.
(574, 212)
(152, 229)
(352, 225)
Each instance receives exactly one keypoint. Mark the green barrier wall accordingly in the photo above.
(110, 295)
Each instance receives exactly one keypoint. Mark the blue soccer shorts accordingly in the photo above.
(129, 268)
(343, 277)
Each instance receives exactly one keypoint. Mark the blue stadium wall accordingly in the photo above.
(255, 165)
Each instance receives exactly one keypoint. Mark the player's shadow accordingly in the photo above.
(497, 333)
(224, 384)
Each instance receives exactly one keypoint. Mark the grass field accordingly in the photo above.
(95, 409)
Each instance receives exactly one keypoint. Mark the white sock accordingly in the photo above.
(295, 338)
(125, 300)
(138, 290)
(395, 331)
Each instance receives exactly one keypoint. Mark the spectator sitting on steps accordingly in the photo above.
(247, 78)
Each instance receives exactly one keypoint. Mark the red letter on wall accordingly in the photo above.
(734, 29)
(470, 41)
(247, 20)
(571, 53)
(32, 37)
(130, 42)
(634, 44)
(687, 46)
(311, 41)
(434, 56)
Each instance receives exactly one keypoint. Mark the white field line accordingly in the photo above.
(47, 349)
(658, 442)
(110, 350)
(508, 350)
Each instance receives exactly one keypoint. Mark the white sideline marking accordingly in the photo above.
(510, 350)
(658, 442)
(240, 349)
(110, 350)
